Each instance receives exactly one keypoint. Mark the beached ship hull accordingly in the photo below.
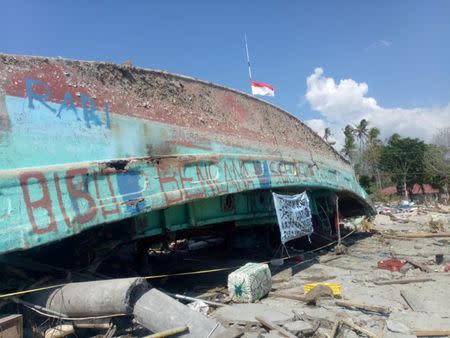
(88, 143)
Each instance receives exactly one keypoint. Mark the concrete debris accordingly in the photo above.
(159, 312)
(98, 298)
(247, 312)
(199, 306)
(298, 327)
(395, 326)
(407, 297)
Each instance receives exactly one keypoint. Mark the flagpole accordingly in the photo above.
(248, 58)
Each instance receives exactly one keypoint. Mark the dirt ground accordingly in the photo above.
(383, 303)
(416, 306)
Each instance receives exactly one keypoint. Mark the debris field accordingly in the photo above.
(388, 278)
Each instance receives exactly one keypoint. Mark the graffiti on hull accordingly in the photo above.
(68, 163)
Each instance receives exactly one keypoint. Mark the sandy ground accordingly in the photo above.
(357, 273)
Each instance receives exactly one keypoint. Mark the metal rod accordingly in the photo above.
(338, 226)
(195, 299)
(248, 58)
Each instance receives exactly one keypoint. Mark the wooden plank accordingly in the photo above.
(420, 266)
(271, 325)
(330, 258)
(403, 281)
(11, 326)
(370, 308)
(431, 333)
(417, 235)
(358, 328)
(168, 333)
(300, 298)
(350, 324)
(334, 329)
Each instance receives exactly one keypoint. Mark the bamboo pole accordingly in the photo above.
(168, 333)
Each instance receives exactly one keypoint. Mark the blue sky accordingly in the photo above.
(400, 49)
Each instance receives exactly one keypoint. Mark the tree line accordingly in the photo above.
(399, 161)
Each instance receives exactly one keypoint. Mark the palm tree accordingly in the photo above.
(326, 134)
(360, 131)
(349, 143)
(372, 136)
(372, 154)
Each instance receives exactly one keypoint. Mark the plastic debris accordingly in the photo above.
(335, 287)
(249, 283)
(391, 264)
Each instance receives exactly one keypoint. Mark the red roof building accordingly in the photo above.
(392, 190)
(420, 189)
(417, 189)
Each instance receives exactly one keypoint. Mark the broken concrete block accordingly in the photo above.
(248, 312)
(252, 335)
(298, 327)
(249, 283)
(397, 327)
(157, 312)
(272, 334)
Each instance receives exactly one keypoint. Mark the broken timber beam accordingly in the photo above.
(271, 325)
(431, 333)
(11, 326)
(327, 259)
(418, 265)
(300, 298)
(370, 308)
(168, 333)
(403, 281)
(417, 235)
(358, 328)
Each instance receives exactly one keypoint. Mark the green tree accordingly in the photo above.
(349, 142)
(372, 155)
(403, 158)
(372, 136)
(361, 133)
(437, 166)
(437, 161)
(327, 134)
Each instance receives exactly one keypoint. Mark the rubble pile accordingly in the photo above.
(392, 280)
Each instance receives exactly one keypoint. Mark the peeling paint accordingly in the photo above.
(86, 143)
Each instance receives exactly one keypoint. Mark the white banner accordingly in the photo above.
(294, 216)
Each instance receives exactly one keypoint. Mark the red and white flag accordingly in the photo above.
(259, 88)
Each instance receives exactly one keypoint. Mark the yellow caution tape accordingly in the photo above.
(189, 273)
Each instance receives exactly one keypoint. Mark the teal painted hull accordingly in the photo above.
(84, 144)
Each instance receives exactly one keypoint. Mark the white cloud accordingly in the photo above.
(319, 125)
(379, 44)
(347, 102)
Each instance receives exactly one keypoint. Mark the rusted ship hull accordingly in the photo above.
(86, 143)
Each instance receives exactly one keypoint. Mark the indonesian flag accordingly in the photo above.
(259, 88)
